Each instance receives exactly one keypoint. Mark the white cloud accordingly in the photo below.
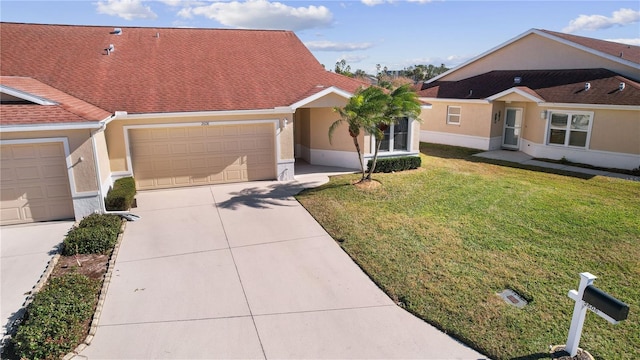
(262, 14)
(323, 45)
(596, 22)
(126, 9)
(352, 58)
(635, 42)
(374, 2)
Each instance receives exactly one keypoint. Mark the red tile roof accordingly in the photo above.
(156, 70)
(67, 109)
(557, 86)
(623, 51)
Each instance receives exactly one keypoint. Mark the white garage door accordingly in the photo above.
(200, 155)
(34, 183)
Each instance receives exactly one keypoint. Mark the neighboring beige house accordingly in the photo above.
(547, 94)
(82, 106)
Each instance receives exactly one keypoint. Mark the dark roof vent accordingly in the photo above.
(621, 86)
(117, 31)
(517, 80)
(587, 86)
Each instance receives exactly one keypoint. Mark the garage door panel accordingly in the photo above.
(207, 155)
(230, 131)
(35, 183)
(24, 152)
(179, 149)
(215, 147)
(50, 150)
(197, 148)
(11, 215)
(26, 173)
(212, 132)
(59, 191)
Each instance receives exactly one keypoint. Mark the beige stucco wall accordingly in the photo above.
(320, 121)
(116, 140)
(103, 157)
(616, 131)
(302, 127)
(329, 101)
(474, 120)
(612, 130)
(84, 172)
(534, 52)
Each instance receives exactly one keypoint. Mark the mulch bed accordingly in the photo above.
(93, 266)
(559, 353)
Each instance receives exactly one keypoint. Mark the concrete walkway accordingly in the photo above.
(522, 158)
(25, 251)
(244, 271)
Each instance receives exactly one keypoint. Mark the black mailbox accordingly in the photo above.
(606, 303)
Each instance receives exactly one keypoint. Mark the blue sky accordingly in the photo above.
(393, 33)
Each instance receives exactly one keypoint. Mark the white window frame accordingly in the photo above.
(451, 116)
(567, 128)
(391, 150)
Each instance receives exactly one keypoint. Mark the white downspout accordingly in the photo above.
(125, 214)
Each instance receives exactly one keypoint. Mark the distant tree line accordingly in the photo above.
(415, 73)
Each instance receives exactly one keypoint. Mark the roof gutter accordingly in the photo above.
(122, 115)
(591, 106)
(52, 127)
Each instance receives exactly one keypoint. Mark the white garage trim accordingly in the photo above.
(279, 167)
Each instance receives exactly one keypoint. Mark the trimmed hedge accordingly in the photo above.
(96, 234)
(393, 164)
(52, 323)
(120, 197)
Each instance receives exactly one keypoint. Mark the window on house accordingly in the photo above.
(453, 115)
(396, 137)
(569, 128)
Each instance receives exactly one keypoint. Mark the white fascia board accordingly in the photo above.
(320, 94)
(530, 31)
(52, 127)
(26, 96)
(278, 110)
(592, 106)
(468, 101)
(515, 91)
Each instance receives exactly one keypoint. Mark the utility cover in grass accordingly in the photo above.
(512, 298)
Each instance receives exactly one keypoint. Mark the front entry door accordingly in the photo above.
(512, 128)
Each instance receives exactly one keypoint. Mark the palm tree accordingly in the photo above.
(401, 102)
(364, 108)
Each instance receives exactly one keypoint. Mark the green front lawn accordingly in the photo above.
(443, 240)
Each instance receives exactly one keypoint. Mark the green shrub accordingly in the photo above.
(52, 323)
(104, 220)
(89, 240)
(120, 197)
(388, 165)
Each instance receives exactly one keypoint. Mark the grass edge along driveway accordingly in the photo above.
(443, 240)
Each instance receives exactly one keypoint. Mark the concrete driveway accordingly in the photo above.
(243, 271)
(25, 251)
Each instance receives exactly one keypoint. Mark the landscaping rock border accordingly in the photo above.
(103, 294)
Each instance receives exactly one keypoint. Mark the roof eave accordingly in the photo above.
(26, 96)
(517, 92)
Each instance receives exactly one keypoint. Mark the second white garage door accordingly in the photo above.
(201, 155)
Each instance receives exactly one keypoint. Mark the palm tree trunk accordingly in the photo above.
(357, 145)
(375, 158)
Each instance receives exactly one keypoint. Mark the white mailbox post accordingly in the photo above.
(589, 297)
